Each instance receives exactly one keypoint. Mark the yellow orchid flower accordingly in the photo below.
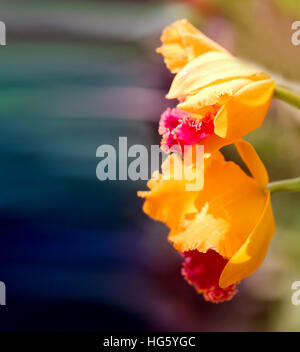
(221, 98)
(223, 230)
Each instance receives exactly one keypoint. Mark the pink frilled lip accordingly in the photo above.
(203, 271)
(178, 128)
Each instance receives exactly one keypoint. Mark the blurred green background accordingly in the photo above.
(79, 254)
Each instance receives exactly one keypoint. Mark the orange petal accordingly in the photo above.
(230, 205)
(245, 111)
(213, 143)
(253, 162)
(168, 199)
(251, 255)
(215, 94)
(209, 69)
(182, 42)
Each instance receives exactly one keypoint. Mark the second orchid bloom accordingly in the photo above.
(223, 231)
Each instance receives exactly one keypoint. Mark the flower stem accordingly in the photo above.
(290, 185)
(287, 95)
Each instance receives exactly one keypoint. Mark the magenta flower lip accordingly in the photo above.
(179, 128)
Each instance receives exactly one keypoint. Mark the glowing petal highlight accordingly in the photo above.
(251, 255)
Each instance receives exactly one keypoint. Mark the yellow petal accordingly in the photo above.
(174, 56)
(208, 69)
(174, 32)
(182, 42)
(245, 111)
(230, 205)
(211, 95)
(251, 255)
(253, 162)
(201, 44)
(168, 200)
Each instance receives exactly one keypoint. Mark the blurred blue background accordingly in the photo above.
(79, 254)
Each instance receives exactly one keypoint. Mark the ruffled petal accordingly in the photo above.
(168, 199)
(182, 42)
(229, 207)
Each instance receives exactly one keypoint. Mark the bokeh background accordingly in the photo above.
(79, 254)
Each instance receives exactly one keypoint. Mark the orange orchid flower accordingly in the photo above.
(223, 231)
(221, 98)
